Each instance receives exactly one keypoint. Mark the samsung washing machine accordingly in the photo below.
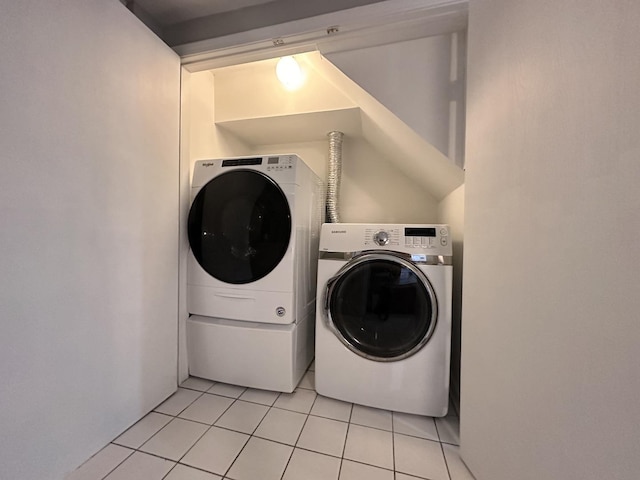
(253, 231)
(383, 316)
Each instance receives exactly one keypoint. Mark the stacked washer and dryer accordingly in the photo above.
(253, 230)
(383, 321)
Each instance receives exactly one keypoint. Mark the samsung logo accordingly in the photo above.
(338, 231)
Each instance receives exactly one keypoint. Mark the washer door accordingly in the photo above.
(239, 226)
(381, 306)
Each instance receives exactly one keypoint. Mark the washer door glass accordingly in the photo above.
(381, 307)
(239, 226)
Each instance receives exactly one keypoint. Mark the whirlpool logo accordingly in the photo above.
(338, 231)
(209, 164)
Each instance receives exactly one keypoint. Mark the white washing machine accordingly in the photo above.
(253, 232)
(383, 316)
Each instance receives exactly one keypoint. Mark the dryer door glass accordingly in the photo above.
(382, 308)
(239, 226)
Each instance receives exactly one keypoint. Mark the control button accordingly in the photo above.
(444, 241)
(425, 241)
(381, 237)
(443, 231)
(408, 241)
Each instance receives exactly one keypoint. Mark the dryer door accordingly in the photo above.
(239, 226)
(381, 306)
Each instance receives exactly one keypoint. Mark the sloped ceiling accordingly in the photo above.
(184, 21)
(331, 101)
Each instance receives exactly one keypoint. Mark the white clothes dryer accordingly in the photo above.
(253, 228)
(383, 316)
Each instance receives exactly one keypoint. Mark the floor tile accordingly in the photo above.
(281, 426)
(261, 460)
(264, 397)
(207, 409)
(415, 425)
(323, 435)
(177, 402)
(403, 476)
(300, 400)
(358, 471)
(143, 430)
(457, 469)
(305, 465)
(371, 417)
(101, 463)
(195, 383)
(332, 408)
(216, 450)
(369, 445)
(419, 457)
(182, 472)
(265, 435)
(175, 439)
(448, 429)
(308, 381)
(141, 466)
(242, 416)
(227, 390)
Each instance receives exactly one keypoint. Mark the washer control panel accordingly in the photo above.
(415, 239)
(422, 238)
(426, 237)
(381, 236)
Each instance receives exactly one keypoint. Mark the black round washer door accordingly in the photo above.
(382, 307)
(239, 226)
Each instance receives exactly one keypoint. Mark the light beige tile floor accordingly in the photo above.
(214, 431)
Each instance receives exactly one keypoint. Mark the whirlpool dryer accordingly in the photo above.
(253, 231)
(383, 322)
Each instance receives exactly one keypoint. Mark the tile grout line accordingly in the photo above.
(137, 449)
(444, 457)
(446, 463)
(190, 403)
(346, 437)
(299, 434)
(207, 430)
(251, 435)
(123, 460)
(341, 458)
(393, 443)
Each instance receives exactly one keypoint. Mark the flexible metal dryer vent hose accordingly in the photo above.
(333, 178)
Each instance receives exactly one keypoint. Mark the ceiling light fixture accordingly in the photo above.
(289, 73)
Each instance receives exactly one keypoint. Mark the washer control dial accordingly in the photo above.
(381, 237)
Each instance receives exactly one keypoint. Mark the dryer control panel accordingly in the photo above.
(283, 169)
(413, 239)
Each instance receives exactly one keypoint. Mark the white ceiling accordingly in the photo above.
(180, 22)
(169, 12)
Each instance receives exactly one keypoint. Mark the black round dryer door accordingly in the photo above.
(239, 226)
(381, 306)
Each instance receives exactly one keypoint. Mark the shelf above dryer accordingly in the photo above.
(298, 127)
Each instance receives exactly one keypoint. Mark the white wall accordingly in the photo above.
(372, 189)
(550, 381)
(88, 245)
(421, 81)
